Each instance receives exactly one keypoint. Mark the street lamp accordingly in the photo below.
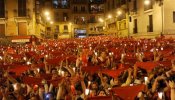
(46, 13)
(119, 12)
(51, 22)
(101, 20)
(109, 16)
(147, 2)
(48, 18)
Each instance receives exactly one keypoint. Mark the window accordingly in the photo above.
(55, 3)
(65, 27)
(148, 6)
(65, 17)
(2, 10)
(150, 27)
(135, 5)
(60, 3)
(75, 9)
(56, 16)
(135, 26)
(22, 8)
(82, 9)
(174, 16)
(57, 29)
(92, 19)
(113, 4)
(108, 5)
(2, 30)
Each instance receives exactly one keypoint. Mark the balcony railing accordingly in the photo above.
(80, 1)
(97, 1)
(21, 12)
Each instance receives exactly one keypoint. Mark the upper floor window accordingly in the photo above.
(2, 10)
(82, 9)
(22, 11)
(148, 4)
(61, 3)
(65, 27)
(135, 5)
(65, 17)
(56, 16)
(174, 16)
(75, 9)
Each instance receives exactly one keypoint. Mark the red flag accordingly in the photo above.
(19, 69)
(113, 73)
(32, 80)
(122, 92)
(91, 69)
(147, 65)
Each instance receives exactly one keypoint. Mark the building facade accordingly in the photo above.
(116, 18)
(17, 18)
(151, 18)
(76, 18)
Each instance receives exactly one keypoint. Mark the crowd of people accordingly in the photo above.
(92, 68)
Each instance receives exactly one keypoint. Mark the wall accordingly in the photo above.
(169, 27)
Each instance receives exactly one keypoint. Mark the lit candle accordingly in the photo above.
(96, 53)
(15, 86)
(28, 63)
(110, 53)
(160, 95)
(0, 57)
(62, 73)
(123, 55)
(46, 56)
(74, 69)
(146, 79)
(131, 84)
(89, 83)
(38, 70)
(87, 91)
(25, 58)
(59, 72)
(90, 48)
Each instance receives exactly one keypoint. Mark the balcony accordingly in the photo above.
(22, 13)
(80, 2)
(92, 21)
(80, 12)
(97, 1)
(96, 12)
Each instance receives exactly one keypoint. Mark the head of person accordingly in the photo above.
(102, 93)
(103, 54)
(94, 86)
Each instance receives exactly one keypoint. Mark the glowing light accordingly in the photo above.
(109, 16)
(147, 2)
(48, 18)
(101, 20)
(119, 12)
(51, 22)
(46, 13)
